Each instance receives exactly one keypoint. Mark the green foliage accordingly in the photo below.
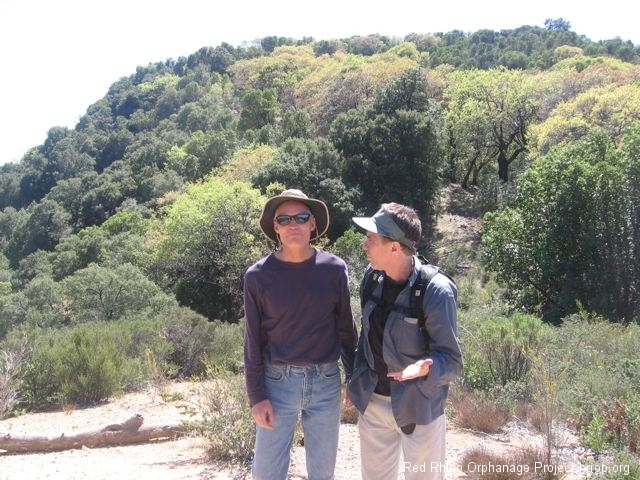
(497, 348)
(614, 424)
(355, 122)
(80, 365)
(611, 108)
(93, 361)
(197, 343)
(98, 293)
(600, 359)
(408, 91)
(12, 360)
(489, 114)
(594, 435)
(44, 226)
(177, 121)
(88, 364)
(394, 155)
(259, 108)
(569, 239)
(39, 303)
(206, 241)
(624, 466)
(349, 248)
(225, 349)
(119, 240)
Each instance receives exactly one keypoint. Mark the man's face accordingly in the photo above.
(294, 231)
(378, 249)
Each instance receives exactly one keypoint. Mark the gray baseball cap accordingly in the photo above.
(382, 224)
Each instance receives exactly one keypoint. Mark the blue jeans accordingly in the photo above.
(313, 392)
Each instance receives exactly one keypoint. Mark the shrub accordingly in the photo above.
(521, 464)
(614, 424)
(226, 349)
(622, 467)
(600, 363)
(471, 410)
(198, 342)
(227, 422)
(11, 361)
(496, 349)
(88, 364)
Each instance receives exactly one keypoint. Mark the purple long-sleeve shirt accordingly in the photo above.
(298, 314)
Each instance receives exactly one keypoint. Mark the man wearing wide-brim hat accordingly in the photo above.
(298, 325)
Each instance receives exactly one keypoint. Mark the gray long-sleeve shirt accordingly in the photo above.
(296, 313)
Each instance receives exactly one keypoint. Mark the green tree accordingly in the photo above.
(118, 241)
(394, 154)
(259, 108)
(569, 241)
(407, 92)
(610, 107)
(40, 303)
(45, 224)
(104, 193)
(489, 113)
(10, 179)
(212, 149)
(203, 245)
(97, 293)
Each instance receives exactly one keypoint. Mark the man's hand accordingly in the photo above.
(415, 370)
(262, 413)
(347, 400)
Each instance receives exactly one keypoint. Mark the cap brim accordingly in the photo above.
(382, 224)
(366, 223)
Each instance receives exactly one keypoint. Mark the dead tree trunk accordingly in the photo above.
(128, 432)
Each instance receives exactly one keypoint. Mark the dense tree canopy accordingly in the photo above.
(163, 178)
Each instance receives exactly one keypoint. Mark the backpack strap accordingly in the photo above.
(416, 300)
(427, 272)
(369, 283)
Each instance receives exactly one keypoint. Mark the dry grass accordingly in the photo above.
(527, 463)
(471, 411)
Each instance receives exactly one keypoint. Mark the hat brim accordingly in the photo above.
(317, 208)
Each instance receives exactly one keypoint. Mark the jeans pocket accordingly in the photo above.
(274, 373)
(330, 370)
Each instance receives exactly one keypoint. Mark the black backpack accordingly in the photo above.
(419, 287)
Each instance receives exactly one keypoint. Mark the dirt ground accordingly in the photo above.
(186, 458)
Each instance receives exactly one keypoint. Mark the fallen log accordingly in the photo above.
(128, 432)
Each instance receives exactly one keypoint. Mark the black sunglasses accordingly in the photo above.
(299, 218)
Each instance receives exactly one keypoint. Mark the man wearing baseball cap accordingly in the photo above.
(298, 325)
(401, 379)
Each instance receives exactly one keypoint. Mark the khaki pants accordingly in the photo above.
(386, 452)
